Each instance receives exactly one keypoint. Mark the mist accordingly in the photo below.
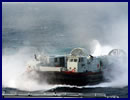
(53, 27)
(80, 23)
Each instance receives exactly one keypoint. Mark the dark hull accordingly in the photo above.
(70, 78)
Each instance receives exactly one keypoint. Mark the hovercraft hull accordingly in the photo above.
(70, 78)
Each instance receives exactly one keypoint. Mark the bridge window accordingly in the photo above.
(75, 60)
(83, 64)
(81, 59)
(56, 60)
(71, 60)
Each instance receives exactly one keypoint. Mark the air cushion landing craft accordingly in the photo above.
(76, 68)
